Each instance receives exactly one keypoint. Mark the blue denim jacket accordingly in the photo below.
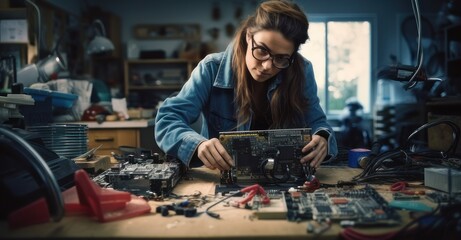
(210, 91)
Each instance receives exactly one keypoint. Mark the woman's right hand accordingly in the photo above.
(213, 155)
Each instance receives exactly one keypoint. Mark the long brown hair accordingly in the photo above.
(288, 102)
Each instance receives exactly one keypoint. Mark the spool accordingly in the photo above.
(355, 155)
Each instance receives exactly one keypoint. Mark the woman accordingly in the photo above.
(258, 82)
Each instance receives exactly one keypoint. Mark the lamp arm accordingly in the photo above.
(99, 22)
(39, 27)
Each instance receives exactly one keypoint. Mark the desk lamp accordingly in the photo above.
(43, 69)
(100, 43)
(407, 73)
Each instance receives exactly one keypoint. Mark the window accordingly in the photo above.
(340, 51)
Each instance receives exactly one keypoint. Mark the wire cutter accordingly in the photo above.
(402, 187)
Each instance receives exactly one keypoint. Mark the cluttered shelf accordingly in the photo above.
(198, 187)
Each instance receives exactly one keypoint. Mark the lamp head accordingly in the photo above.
(100, 43)
(42, 71)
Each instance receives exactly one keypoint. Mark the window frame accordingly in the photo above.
(371, 18)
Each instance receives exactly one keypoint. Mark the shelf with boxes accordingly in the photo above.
(14, 39)
(148, 81)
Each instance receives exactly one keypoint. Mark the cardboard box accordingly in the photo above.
(13, 31)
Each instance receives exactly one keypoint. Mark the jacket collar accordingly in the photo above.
(225, 75)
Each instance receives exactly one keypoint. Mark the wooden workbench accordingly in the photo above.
(234, 222)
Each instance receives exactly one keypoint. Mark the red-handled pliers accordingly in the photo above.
(402, 188)
(399, 186)
(252, 191)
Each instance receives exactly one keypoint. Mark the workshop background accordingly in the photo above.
(156, 44)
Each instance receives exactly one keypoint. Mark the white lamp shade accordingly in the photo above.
(28, 75)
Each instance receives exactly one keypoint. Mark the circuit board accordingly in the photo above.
(361, 206)
(265, 156)
(144, 178)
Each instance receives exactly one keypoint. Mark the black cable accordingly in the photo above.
(55, 200)
(419, 55)
(455, 129)
(216, 215)
(407, 164)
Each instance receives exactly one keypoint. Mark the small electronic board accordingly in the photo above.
(143, 177)
(265, 156)
(349, 207)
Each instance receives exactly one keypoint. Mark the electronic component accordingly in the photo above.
(179, 209)
(439, 178)
(144, 178)
(402, 73)
(362, 206)
(265, 156)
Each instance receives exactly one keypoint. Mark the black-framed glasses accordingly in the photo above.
(261, 53)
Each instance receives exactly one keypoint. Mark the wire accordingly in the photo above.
(39, 28)
(54, 196)
(216, 215)
(406, 163)
(455, 130)
(419, 55)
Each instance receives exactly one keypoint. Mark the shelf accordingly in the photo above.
(148, 81)
(167, 31)
(13, 13)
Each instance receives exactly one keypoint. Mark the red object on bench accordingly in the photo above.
(86, 197)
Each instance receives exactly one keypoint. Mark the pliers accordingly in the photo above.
(252, 191)
(402, 188)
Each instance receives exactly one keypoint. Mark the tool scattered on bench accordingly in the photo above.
(86, 197)
(183, 208)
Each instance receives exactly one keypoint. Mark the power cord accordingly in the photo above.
(405, 163)
(53, 192)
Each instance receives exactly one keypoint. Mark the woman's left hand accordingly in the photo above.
(316, 151)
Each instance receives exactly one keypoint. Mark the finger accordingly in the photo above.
(214, 155)
(312, 144)
(207, 163)
(224, 154)
(307, 159)
(318, 158)
(218, 161)
(213, 159)
(309, 146)
(205, 156)
(315, 156)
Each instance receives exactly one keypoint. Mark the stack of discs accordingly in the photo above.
(66, 140)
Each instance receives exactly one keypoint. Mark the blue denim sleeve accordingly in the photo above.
(173, 132)
(315, 117)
